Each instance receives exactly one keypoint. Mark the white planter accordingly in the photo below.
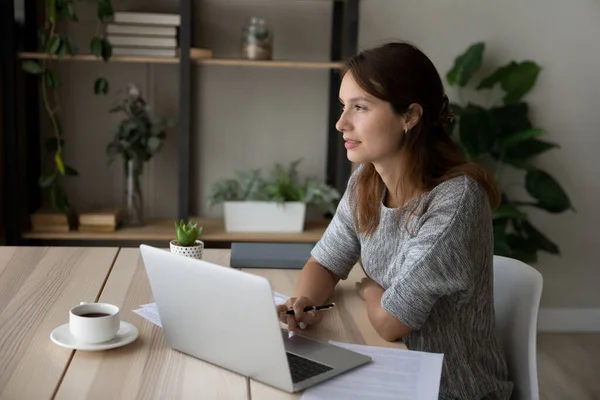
(264, 216)
(188, 251)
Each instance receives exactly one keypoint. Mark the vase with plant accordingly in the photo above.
(56, 44)
(187, 242)
(137, 138)
(500, 134)
(278, 203)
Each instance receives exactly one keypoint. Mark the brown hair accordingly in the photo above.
(401, 74)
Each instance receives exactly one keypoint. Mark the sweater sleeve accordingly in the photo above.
(338, 250)
(442, 258)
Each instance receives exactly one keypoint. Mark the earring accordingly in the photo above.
(405, 130)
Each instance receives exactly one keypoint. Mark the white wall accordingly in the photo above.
(563, 38)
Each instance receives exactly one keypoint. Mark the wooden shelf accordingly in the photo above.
(90, 57)
(271, 64)
(214, 231)
(199, 61)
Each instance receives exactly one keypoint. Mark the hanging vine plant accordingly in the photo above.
(55, 46)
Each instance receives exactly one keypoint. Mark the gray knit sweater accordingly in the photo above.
(438, 280)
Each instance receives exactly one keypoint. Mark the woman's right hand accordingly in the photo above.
(300, 318)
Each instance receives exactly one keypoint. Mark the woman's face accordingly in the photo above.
(371, 129)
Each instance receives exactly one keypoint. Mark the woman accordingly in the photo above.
(419, 217)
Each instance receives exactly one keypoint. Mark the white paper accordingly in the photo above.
(150, 311)
(393, 374)
(279, 298)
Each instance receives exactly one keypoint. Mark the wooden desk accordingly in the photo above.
(38, 286)
(147, 368)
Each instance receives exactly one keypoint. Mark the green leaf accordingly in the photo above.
(520, 81)
(476, 130)
(105, 11)
(529, 148)
(101, 86)
(70, 9)
(501, 247)
(547, 191)
(508, 211)
(154, 144)
(106, 49)
(521, 248)
(497, 76)
(59, 163)
(466, 65)
(54, 44)
(47, 179)
(42, 38)
(59, 199)
(540, 241)
(69, 45)
(518, 137)
(32, 67)
(51, 10)
(96, 46)
(51, 79)
(510, 118)
(62, 50)
(70, 171)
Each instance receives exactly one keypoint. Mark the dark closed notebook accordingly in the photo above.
(270, 255)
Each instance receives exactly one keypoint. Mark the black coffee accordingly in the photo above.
(94, 315)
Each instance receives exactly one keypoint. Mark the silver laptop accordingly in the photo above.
(227, 317)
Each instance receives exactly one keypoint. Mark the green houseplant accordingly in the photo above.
(56, 45)
(276, 203)
(137, 137)
(501, 134)
(186, 240)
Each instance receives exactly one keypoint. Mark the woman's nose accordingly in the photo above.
(342, 124)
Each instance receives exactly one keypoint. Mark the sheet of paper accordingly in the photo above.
(393, 374)
(150, 311)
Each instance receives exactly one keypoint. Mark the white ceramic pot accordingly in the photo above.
(188, 251)
(264, 216)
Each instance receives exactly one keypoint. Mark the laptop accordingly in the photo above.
(227, 317)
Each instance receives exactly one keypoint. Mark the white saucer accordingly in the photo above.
(62, 336)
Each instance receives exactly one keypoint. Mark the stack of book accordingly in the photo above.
(49, 220)
(101, 219)
(144, 34)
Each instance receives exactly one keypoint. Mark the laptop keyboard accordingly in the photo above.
(303, 368)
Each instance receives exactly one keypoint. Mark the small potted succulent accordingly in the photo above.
(186, 242)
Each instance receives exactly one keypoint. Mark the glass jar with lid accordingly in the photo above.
(257, 40)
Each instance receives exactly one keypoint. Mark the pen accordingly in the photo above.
(309, 308)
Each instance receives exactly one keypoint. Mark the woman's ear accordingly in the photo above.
(413, 115)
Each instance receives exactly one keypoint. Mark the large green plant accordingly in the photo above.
(56, 45)
(502, 134)
(283, 185)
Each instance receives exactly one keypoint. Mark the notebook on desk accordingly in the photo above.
(270, 255)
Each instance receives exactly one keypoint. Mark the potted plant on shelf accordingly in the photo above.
(500, 135)
(253, 203)
(187, 242)
(137, 138)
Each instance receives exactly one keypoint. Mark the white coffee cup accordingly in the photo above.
(94, 322)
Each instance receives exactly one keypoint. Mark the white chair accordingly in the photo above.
(517, 293)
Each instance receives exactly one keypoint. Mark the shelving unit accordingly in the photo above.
(22, 136)
(199, 61)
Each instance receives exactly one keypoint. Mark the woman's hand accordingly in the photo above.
(300, 318)
(367, 286)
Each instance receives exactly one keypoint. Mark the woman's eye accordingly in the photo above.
(359, 108)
